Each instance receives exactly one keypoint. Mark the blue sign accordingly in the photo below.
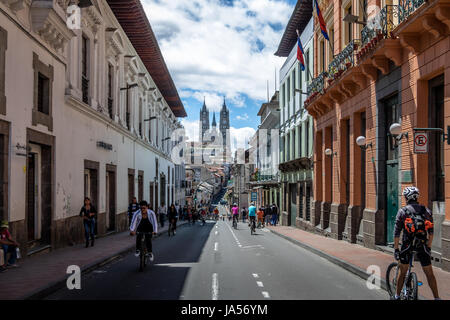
(254, 196)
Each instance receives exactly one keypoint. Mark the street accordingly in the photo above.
(217, 262)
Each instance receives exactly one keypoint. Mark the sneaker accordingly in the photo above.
(137, 253)
(2, 269)
(174, 232)
(15, 265)
(151, 257)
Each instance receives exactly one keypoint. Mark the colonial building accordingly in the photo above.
(296, 125)
(83, 112)
(385, 81)
(265, 180)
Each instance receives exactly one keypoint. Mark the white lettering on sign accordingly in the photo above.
(420, 142)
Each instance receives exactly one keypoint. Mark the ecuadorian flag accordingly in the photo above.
(300, 54)
(323, 26)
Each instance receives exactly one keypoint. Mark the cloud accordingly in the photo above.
(191, 129)
(243, 117)
(220, 46)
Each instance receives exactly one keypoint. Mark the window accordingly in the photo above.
(85, 69)
(140, 118)
(349, 26)
(300, 128)
(110, 90)
(43, 80)
(307, 138)
(294, 86)
(43, 94)
(307, 66)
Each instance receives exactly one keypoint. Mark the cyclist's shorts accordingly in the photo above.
(422, 253)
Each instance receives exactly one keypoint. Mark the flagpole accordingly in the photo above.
(329, 41)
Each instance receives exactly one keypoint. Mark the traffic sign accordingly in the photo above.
(254, 196)
(420, 142)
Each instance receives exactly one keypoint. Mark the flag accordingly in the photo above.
(323, 26)
(300, 54)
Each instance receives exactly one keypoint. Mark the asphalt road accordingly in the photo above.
(216, 261)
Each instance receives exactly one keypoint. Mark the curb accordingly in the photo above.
(52, 287)
(343, 264)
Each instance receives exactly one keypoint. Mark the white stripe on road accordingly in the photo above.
(265, 294)
(216, 233)
(255, 246)
(255, 275)
(260, 284)
(216, 246)
(234, 236)
(215, 286)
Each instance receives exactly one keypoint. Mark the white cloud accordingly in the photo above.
(243, 117)
(191, 129)
(212, 48)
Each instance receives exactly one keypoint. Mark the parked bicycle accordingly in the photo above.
(411, 284)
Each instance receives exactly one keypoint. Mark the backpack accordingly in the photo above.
(415, 223)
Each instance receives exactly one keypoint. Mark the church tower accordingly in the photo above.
(224, 127)
(204, 121)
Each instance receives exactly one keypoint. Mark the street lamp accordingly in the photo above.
(329, 152)
(395, 131)
(361, 142)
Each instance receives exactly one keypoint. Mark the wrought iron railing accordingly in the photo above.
(383, 23)
(408, 7)
(110, 107)
(85, 89)
(343, 60)
(316, 84)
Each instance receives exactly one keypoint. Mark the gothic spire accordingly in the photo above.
(224, 106)
(214, 124)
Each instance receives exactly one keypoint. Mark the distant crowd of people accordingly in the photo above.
(267, 215)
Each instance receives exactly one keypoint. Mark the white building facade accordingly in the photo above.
(80, 115)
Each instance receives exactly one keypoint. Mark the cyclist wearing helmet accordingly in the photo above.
(416, 221)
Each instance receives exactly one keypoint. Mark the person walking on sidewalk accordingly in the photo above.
(132, 208)
(8, 245)
(162, 214)
(144, 221)
(274, 211)
(88, 213)
(416, 221)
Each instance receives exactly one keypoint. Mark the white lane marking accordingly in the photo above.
(215, 286)
(234, 236)
(260, 284)
(216, 233)
(255, 275)
(255, 246)
(216, 246)
(265, 294)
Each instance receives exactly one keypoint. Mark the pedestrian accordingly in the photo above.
(172, 215)
(132, 208)
(267, 215)
(189, 213)
(274, 214)
(8, 245)
(162, 214)
(244, 213)
(88, 212)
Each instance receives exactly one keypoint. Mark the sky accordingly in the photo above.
(221, 48)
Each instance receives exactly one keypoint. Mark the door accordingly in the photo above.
(392, 198)
(34, 189)
(110, 200)
(293, 203)
(107, 201)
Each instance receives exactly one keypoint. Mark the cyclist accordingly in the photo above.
(235, 211)
(252, 214)
(410, 219)
(216, 213)
(144, 220)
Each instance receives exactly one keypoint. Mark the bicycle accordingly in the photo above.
(143, 256)
(411, 284)
(235, 223)
(252, 227)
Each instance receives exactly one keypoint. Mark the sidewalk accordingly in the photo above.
(356, 258)
(38, 276)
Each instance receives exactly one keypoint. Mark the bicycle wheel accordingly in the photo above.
(391, 278)
(412, 287)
